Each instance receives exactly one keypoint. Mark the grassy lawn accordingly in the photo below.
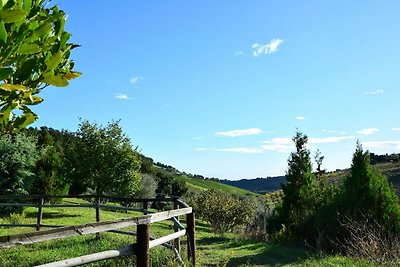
(213, 250)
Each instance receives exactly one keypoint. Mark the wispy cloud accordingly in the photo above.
(135, 80)
(283, 144)
(393, 145)
(278, 144)
(333, 131)
(238, 53)
(397, 130)
(300, 118)
(201, 149)
(375, 92)
(264, 49)
(122, 97)
(368, 131)
(198, 138)
(237, 133)
(332, 139)
(247, 150)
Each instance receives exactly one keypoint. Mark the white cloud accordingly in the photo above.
(332, 139)
(236, 133)
(300, 118)
(333, 131)
(271, 47)
(122, 97)
(135, 80)
(198, 138)
(238, 53)
(368, 131)
(394, 145)
(242, 150)
(201, 149)
(376, 92)
(278, 144)
(397, 130)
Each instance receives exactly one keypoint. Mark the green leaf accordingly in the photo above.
(5, 73)
(13, 87)
(53, 62)
(24, 120)
(56, 80)
(12, 15)
(3, 32)
(28, 49)
(72, 75)
(27, 5)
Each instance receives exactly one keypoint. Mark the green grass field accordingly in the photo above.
(213, 249)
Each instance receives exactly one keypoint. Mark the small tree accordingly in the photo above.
(223, 212)
(34, 53)
(103, 160)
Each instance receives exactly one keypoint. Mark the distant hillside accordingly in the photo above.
(168, 176)
(389, 165)
(258, 185)
(197, 185)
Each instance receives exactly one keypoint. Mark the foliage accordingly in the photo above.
(169, 185)
(300, 192)
(103, 160)
(148, 186)
(18, 157)
(50, 178)
(367, 192)
(34, 53)
(223, 212)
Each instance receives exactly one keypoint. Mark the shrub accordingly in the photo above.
(223, 212)
(369, 240)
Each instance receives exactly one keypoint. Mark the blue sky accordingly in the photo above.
(218, 88)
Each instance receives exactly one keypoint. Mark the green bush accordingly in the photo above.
(223, 212)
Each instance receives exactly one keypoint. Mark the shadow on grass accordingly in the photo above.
(51, 215)
(252, 252)
(271, 255)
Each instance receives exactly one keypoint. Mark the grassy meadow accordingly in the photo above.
(212, 249)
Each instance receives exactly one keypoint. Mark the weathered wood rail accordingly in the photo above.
(140, 249)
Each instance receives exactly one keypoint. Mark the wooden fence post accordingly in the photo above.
(177, 242)
(40, 213)
(191, 242)
(143, 245)
(97, 206)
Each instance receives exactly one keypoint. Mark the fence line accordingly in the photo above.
(144, 242)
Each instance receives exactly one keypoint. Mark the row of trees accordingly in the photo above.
(313, 211)
(95, 159)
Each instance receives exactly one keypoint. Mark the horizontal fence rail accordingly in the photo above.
(143, 243)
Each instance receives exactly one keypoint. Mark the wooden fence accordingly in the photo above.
(140, 249)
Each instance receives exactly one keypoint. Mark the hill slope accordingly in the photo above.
(197, 185)
(384, 163)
